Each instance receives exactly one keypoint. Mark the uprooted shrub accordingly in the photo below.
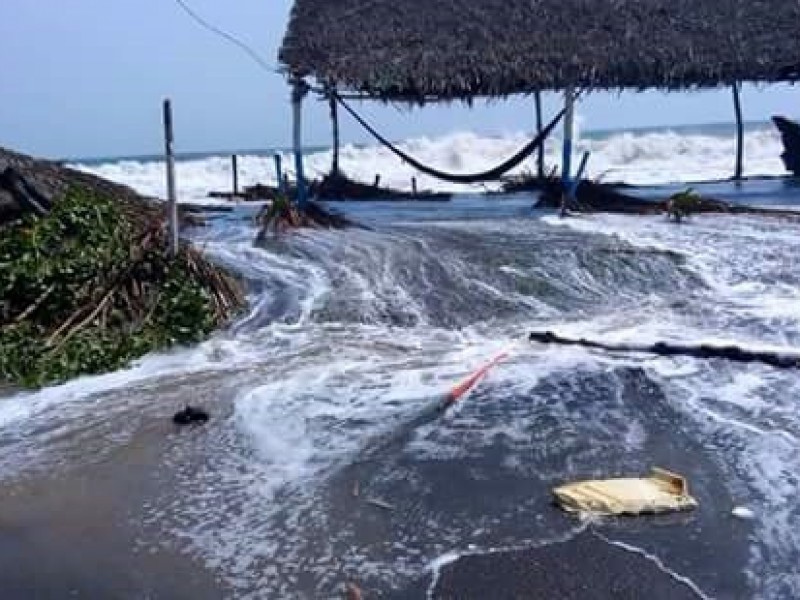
(86, 289)
(281, 214)
(683, 204)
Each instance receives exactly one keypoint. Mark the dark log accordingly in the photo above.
(731, 353)
(598, 197)
(790, 135)
(339, 187)
(24, 193)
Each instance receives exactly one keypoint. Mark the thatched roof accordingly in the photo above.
(460, 49)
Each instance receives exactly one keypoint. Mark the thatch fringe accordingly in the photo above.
(418, 50)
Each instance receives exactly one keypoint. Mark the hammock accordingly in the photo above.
(490, 175)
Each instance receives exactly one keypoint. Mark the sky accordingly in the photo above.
(86, 78)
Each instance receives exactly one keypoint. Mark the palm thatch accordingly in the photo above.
(417, 50)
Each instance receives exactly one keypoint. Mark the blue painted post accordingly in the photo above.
(579, 175)
(299, 91)
(279, 173)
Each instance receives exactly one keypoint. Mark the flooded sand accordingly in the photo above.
(327, 386)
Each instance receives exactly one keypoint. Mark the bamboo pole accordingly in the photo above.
(737, 106)
(540, 156)
(172, 202)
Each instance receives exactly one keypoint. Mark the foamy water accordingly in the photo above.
(353, 335)
(633, 157)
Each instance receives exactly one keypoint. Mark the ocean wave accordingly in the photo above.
(645, 158)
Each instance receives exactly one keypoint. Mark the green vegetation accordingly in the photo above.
(683, 204)
(86, 289)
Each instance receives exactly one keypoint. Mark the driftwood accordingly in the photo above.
(333, 187)
(24, 193)
(790, 136)
(337, 186)
(594, 197)
(732, 353)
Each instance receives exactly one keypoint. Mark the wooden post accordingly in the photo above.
(540, 155)
(279, 174)
(172, 201)
(566, 162)
(235, 169)
(299, 91)
(377, 182)
(335, 132)
(414, 186)
(737, 105)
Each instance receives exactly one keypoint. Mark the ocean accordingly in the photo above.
(320, 396)
(641, 157)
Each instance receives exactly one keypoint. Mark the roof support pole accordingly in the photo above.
(335, 133)
(537, 96)
(566, 162)
(737, 106)
(279, 174)
(299, 91)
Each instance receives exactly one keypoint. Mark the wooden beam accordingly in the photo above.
(566, 162)
(334, 107)
(540, 156)
(235, 170)
(737, 106)
(172, 201)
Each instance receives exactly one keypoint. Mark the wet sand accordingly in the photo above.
(85, 530)
(78, 533)
(584, 567)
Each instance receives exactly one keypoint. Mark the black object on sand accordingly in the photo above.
(190, 416)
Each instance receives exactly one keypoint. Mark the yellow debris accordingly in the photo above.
(663, 491)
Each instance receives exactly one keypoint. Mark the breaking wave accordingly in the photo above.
(647, 157)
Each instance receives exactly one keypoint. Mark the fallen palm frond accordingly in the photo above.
(86, 288)
(282, 215)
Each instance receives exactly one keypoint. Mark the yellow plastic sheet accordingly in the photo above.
(663, 491)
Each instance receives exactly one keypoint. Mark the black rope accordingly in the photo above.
(490, 175)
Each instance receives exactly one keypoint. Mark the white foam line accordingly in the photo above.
(742, 425)
(657, 562)
(448, 558)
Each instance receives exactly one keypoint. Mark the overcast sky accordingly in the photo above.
(85, 78)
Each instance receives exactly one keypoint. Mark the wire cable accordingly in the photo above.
(227, 36)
